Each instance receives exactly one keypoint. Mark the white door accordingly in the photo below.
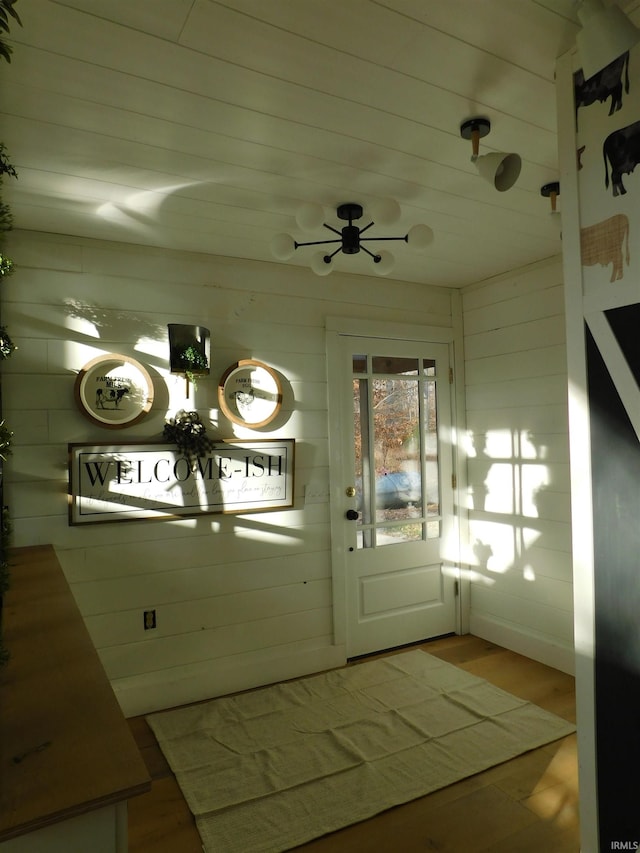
(393, 528)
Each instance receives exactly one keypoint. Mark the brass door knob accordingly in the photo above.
(351, 492)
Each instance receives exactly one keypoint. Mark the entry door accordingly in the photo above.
(395, 526)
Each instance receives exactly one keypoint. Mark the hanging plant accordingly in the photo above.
(189, 434)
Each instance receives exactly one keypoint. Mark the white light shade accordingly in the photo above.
(310, 216)
(419, 237)
(385, 212)
(606, 34)
(501, 170)
(319, 266)
(282, 247)
(385, 264)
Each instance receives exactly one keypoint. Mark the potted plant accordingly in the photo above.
(189, 350)
(192, 362)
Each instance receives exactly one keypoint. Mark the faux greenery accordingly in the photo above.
(189, 434)
(6, 11)
(191, 361)
(7, 346)
(6, 266)
(5, 442)
(5, 166)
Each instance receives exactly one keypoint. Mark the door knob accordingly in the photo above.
(352, 514)
(350, 491)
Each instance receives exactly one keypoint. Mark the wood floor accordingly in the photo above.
(527, 805)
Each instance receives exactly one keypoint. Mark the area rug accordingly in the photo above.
(270, 769)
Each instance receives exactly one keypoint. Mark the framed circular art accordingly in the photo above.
(114, 391)
(249, 393)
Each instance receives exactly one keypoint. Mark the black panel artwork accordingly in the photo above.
(625, 325)
(615, 459)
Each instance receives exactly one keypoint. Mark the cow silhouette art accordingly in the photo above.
(605, 84)
(110, 399)
(621, 150)
(603, 243)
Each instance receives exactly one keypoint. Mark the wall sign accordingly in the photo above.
(114, 391)
(250, 393)
(153, 480)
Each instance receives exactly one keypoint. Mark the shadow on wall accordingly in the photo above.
(518, 506)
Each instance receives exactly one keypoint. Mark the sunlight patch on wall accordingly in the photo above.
(140, 210)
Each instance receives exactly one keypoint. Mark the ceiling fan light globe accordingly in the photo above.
(310, 216)
(283, 247)
(385, 264)
(386, 211)
(420, 237)
(319, 265)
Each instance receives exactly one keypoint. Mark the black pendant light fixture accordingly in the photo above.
(349, 238)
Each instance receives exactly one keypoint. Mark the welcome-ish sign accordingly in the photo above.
(153, 480)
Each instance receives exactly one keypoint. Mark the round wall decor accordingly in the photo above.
(249, 393)
(114, 391)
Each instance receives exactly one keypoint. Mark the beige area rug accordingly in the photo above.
(276, 767)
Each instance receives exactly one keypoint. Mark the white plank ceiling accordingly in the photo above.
(204, 124)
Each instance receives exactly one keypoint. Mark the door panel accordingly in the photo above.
(394, 437)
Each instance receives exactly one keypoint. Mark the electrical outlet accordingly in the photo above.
(149, 619)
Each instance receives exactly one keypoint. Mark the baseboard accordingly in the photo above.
(535, 646)
(171, 688)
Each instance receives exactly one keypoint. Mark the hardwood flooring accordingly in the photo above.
(527, 805)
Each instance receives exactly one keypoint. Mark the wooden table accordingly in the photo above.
(68, 762)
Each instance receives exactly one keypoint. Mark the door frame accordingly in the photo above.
(337, 327)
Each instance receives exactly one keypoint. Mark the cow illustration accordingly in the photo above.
(605, 84)
(113, 397)
(621, 149)
(602, 244)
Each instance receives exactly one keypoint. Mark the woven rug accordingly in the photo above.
(273, 768)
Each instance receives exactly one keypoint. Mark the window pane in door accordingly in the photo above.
(359, 364)
(396, 424)
(394, 365)
(431, 449)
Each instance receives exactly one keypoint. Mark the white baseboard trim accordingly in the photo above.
(538, 647)
(171, 688)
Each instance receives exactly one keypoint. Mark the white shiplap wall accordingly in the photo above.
(240, 600)
(518, 469)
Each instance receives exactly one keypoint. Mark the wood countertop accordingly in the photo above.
(65, 746)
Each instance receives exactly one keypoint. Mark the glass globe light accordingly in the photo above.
(310, 216)
(385, 212)
(282, 247)
(319, 265)
(385, 264)
(420, 237)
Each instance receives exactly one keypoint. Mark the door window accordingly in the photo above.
(396, 449)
